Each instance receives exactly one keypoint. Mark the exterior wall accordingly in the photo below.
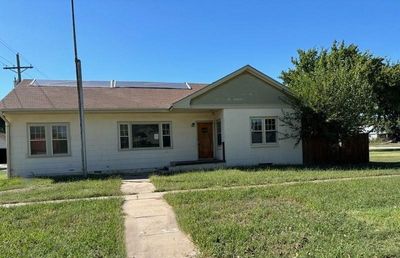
(238, 148)
(102, 143)
(242, 91)
(103, 153)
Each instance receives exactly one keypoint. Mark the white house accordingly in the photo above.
(133, 126)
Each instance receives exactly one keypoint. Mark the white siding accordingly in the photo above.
(238, 149)
(102, 143)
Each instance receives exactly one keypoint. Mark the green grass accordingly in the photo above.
(238, 177)
(385, 156)
(57, 188)
(357, 218)
(75, 229)
(17, 183)
(380, 143)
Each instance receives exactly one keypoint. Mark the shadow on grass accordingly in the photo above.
(299, 168)
(66, 178)
(73, 178)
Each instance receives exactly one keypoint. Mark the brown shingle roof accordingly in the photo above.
(28, 97)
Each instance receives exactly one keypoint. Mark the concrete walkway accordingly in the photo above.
(151, 229)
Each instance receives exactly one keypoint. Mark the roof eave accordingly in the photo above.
(36, 110)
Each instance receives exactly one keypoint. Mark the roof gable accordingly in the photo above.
(244, 87)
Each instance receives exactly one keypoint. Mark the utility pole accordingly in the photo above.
(78, 71)
(18, 69)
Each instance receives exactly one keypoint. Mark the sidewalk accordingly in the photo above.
(151, 229)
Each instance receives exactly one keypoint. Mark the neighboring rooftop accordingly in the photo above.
(99, 95)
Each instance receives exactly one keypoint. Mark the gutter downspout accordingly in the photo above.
(8, 144)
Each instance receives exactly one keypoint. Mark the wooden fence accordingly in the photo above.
(352, 150)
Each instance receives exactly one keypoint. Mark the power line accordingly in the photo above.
(22, 57)
(18, 69)
(37, 69)
(3, 63)
(7, 46)
(30, 75)
(8, 61)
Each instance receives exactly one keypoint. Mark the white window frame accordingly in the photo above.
(160, 137)
(48, 130)
(264, 131)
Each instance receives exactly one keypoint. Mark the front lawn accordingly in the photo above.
(392, 156)
(26, 190)
(241, 177)
(74, 229)
(357, 218)
(16, 183)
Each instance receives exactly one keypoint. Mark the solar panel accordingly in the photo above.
(70, 83)
(112, 84)
(157, 85)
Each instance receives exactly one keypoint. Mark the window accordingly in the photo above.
(263, 130)
(59, 139)
(144, 135)
(37, 140)
(219, 133)
(124, 136)
(256, 131)
(270, 130)
(166, 132)
(48, 139)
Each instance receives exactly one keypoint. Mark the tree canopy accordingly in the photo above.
(340, 91)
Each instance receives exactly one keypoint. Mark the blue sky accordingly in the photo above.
(178, 41)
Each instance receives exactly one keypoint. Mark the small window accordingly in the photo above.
(219, 133)
(59, 139)
(124, 136)
(263, 130)
(37, 140)
(166, 132)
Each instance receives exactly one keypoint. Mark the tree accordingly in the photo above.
(334, 91)
(388, 96)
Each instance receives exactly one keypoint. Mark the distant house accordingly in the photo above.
(134, 126)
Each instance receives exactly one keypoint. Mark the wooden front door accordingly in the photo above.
(205, 140)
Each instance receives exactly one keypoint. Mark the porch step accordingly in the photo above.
(195, 162)
(181, 166)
